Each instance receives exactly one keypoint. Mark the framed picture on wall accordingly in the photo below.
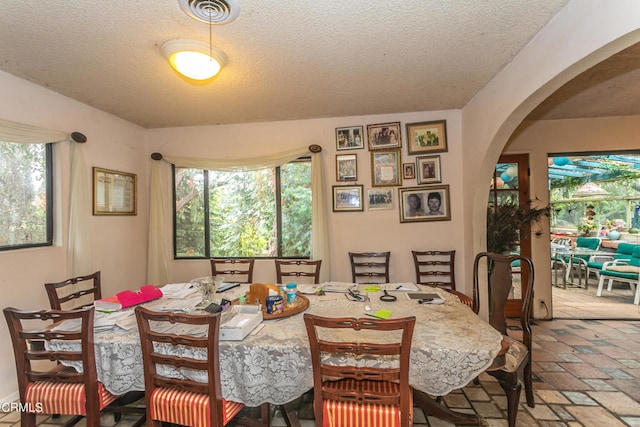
(385, 168)
(349, 138)
(427, 137)
(346, 167)
(347, 198)
(428, 168)
(380, 198)
(408, 171)
(114, 192)
(419, 204)
(384, 135)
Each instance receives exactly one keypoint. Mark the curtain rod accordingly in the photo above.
(314, 148)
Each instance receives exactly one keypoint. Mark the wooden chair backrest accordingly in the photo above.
(74, 293)
(26, 327)
(500, 282)
(238, 270)
(322, 343)
(435, 268)
(164, 348)
(370, 267)
(297, 270)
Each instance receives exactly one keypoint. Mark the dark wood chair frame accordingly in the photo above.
(56, 301)
(432, 265)
(399, 374)
(363, 267)
(302, 271)
(234, 267)
(500, 282)
(151, 358)
(25, 354)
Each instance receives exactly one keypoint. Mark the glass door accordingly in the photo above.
(511, 184)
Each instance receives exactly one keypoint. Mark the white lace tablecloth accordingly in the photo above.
(451, 346)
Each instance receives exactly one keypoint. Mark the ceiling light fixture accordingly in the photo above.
(590, 189)
(194, 59)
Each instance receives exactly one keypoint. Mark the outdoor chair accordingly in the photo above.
(621, 270)
(518, 355)
(352, 394)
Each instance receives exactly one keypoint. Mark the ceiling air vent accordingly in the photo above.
(211, 11)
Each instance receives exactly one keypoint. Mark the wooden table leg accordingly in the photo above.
(430, 407)
(290, 415)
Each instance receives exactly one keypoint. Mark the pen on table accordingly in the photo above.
(398, 287)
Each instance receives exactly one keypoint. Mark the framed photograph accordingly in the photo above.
(114, 193)
(347, 198)
(424, 203)
(385, 168)
(408, 171)
(346, 167)
(380, 198)
(384, 135)
(428, 168)
(427, 137)
(349, 138)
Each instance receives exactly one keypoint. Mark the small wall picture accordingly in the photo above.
(346, 167)
(349, 138)
(385, 168)
(384, 135)
(347, 198)
(408, 171)
(419, 204)
(380, 198)
(428, 168)
(427, 137)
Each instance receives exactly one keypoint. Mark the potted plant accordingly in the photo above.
(586, 226)
(504, 222)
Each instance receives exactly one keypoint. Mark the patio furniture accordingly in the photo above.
(622, 271)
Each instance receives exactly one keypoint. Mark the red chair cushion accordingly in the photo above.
(187, 408)
(352, 414)
(62, 398)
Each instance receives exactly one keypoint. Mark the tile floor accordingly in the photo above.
(587, 373)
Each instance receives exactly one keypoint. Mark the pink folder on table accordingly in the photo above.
(128, 298)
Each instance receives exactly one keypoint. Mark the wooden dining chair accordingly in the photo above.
(435, 268)
(518, 353)
(238, 270)
(370, 267)
(59, 389)
(181, 400)
(352, 394)
(297, 270)
(73, 293)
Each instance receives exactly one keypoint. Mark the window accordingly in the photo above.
(25, 195)
(264, 213)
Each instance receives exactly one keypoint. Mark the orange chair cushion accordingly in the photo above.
(187, 408)
(351, 414)
(49, 397)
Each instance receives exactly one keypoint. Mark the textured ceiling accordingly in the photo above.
(287, 60)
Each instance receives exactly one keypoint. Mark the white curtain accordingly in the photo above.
(78, 249)
(159, 249)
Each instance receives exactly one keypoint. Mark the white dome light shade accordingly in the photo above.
(194, 59)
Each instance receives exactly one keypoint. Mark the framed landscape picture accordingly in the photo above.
(419, 204)
(428, 168)
(349, 138)
(347, 198)
(385, 168)
(346, 167)
(384, 135)
(380, 198)
(427, 137)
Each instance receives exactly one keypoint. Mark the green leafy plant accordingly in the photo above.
(586, 226)
(504, 222)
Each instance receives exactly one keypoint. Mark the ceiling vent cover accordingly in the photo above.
(211, 11)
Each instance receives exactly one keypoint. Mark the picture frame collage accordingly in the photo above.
(427, 201)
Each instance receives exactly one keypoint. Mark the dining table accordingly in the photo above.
(451, 346)
(576, 257)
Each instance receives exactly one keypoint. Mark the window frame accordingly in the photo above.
(207, 228)
(48, 203)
